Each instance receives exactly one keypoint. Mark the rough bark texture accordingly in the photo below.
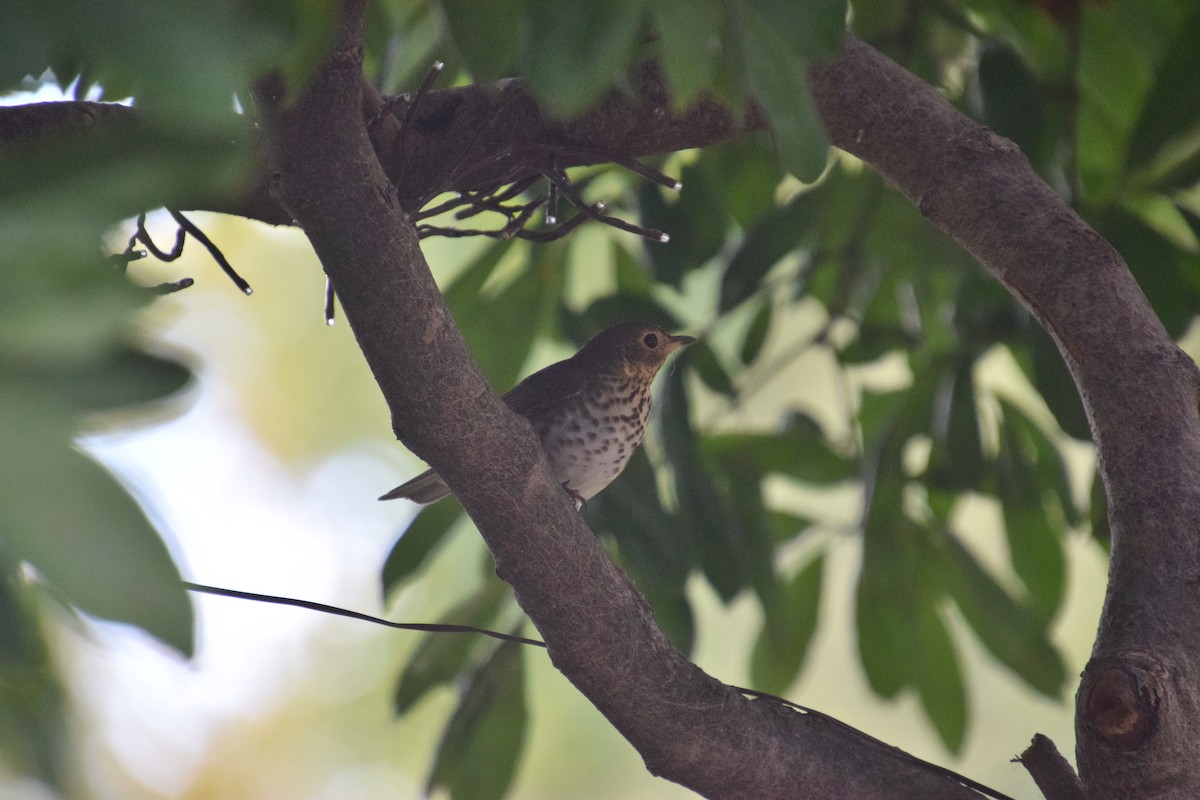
(688, 727)
(1138, 709)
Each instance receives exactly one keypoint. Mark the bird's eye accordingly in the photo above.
(650, 340)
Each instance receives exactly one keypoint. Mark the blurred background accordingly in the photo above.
(869, 487)
(263, 476)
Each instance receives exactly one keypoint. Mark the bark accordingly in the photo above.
(1138, 708)
(460, 139)
(599, 631)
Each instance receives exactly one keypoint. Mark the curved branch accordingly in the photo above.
(599, 631)
(1138, 710)
(462, 139)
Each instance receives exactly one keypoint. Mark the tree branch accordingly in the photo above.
(599, 631)
(462, 139)
(1138, 710)
(1050, 771)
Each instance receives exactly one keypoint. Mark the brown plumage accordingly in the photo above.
(589, 410)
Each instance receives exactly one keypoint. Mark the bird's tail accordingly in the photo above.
(425, 488)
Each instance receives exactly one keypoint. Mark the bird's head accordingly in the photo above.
(631, 348)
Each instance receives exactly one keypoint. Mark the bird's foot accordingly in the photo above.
(580, 503)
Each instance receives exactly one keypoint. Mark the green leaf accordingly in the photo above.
(1027, 468)
(183, 61)
(886, 602)
(58, 199)
(1172, 107)
(701, 358)
(808, 28)
(708, 518)
(427, 530)
(652, 550)
(873, 342)
(696, 220)
(646, 532)
(788, 627)
(740, 482)
(1053, 381)
(1013, 105)
(672, 613)
(688, 32)
(402, 42)
(517, 308)
(756, 334)
(1011, 631)
(481, 746)
(939, 679)
(123, 377)
(786, 527)
(487, 35)
(576, 51)
(1165, 272)
(1115, 71)
(441, 656)
(777, 234)
(777, 76)
(748, 174)
(97, 549)
(632, 278)
(798, 450)
(894, 568)
(956, 460)
(33, 725)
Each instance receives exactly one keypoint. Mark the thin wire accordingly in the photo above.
(342, 612)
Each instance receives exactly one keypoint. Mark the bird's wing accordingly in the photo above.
(546, 388)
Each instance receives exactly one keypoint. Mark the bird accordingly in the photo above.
(589, 410)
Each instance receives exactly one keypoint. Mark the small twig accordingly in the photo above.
(552, 195)
(513, 230)
(329, 306)
(187, 225)
(631, 164)
(342, 612)
(142, 235)
(562, 230)
(390, 104)
(515, 188)
(1052, 773)
(172, 287)
(560, 179)
(495, 158)
(479, 205)
(442, 208)
(406, 123)
(123, 259)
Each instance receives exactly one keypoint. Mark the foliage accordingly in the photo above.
(1107, 110)
(69, 354)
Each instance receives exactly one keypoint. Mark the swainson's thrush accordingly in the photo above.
(589, 411)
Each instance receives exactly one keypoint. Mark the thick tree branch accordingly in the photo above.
(599, 631)
(1138, 710)
(462, 139)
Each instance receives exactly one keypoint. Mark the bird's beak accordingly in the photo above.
(677, 342)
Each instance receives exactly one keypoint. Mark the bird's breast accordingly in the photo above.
(590, 439)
